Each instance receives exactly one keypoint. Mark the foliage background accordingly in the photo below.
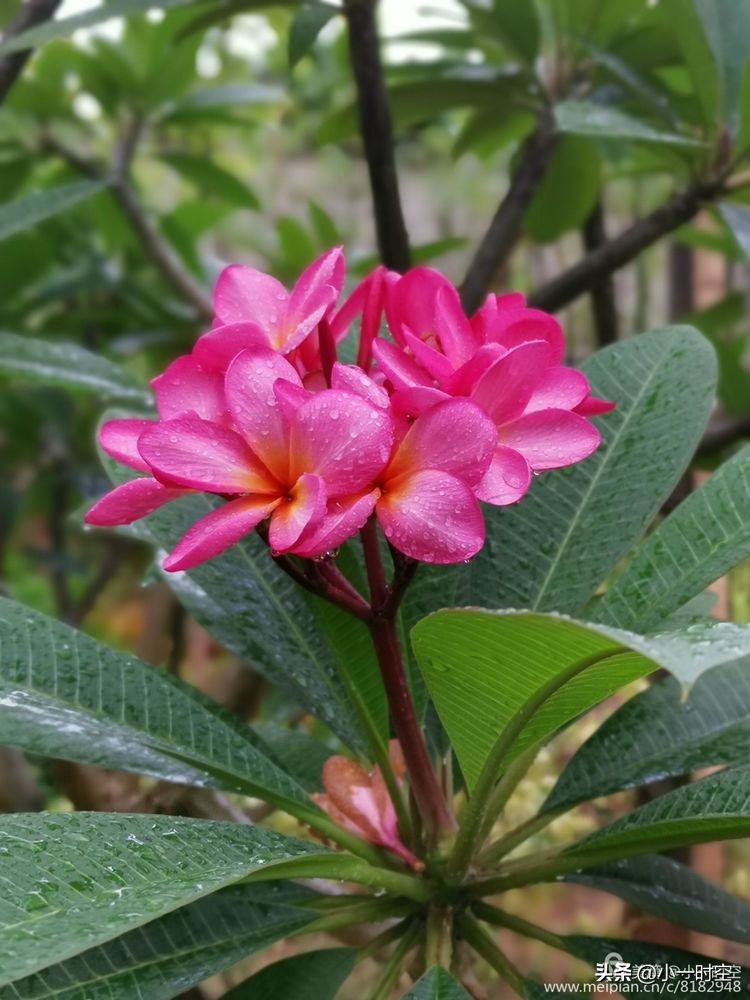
(238, 143)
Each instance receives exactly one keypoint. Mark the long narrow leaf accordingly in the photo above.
(62, 694)
(73, 881)
(17, 216)
(174, 952)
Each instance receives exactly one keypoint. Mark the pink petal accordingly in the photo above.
(412, 402)
(465, 378)
(433, 517)
(131, 500)
(455, 437)
(401, 370)
(216, 349)
(506, 387)
(438, 366)
(507, 479)
(457, 338)
(196, 453)
(351, 378)
(343, 439)
(243, 294)
(592, 406)
(484, 318)
(306, 505)
(513, 326)
(551, 439)
(119, 438)
(314, 294)
(343, 518)
(186, 387)
(254, 405)
(424, 302)
(411, 300)
(218, 530)
(290, 397)
(559, 389)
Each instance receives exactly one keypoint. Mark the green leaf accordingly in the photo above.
(726, 25)
(683, 20)
(703, 538)
(212, 180)
(657, 735)
(176, 951)
(306, 25)
(603, 122)
(16, 216)
(257, 612)
(568, 192)
(672, 891)
(483, 667)
(315, 975)
(436, 984)
(62, 694)
(73, 881)
(552, 551)
(299, 753)
(715, 808)
(64, 26)
(737, 217)
(69, 366)
(517, 24)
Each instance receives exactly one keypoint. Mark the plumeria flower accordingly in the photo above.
(456, 411)
(426, 503)
(507, 359)
(253, 309)
(276, 452)
(359, 802)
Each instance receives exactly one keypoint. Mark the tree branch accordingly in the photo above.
(156, 248)
(377, 133)
(603, 300)
(505, 229)
(611, 256)
(32, 13)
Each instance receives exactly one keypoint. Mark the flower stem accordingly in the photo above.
(517, 836)
(500, 918)
(484, 945)
(429, 796)
(392, 967)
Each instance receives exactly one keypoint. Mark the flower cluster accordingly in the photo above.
(447, 412)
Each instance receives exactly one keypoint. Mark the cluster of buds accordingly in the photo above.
(440, 413)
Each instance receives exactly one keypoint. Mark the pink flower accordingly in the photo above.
(271, 450)
(360, 803)
(261, 415)
(253, 309)
(507, 359)
(425, 501)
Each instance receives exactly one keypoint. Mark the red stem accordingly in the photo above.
(425, 785)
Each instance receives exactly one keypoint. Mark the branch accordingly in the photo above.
(505, 229)
(377, 133)
(152, 241)
(32, 13)
(611, 256)
(603, 300)
(156, 248)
